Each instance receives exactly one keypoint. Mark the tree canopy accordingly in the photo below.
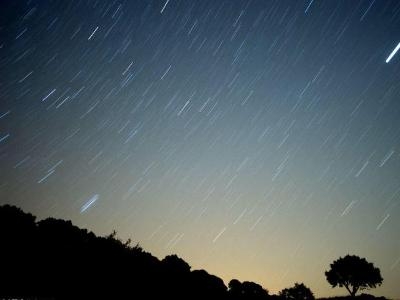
(246, 290)
(298, 292)
(353, 273)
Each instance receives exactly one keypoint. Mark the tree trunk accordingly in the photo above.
(354, 291)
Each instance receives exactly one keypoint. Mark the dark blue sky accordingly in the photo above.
(259, 140)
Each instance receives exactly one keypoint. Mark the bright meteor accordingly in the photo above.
(393, 53)
(89, 203)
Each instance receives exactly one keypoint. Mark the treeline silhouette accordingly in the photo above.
(53, 259)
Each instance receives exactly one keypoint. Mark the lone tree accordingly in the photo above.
(298, 292)
(354, 273)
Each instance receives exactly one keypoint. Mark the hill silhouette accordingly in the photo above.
(53, 259)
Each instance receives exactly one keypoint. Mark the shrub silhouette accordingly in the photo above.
(17, 248)
(354, 273)
(53, 258)
(298, 292)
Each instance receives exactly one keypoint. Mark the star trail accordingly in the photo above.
(259, 140)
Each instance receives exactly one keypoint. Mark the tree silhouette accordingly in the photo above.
(176, 277)
(175, 263)
(235, 288)
(54, 259)
(354, 273)
(206, 286)
(246, 290)
(298, 292)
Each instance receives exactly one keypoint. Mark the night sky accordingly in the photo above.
(259, 140)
